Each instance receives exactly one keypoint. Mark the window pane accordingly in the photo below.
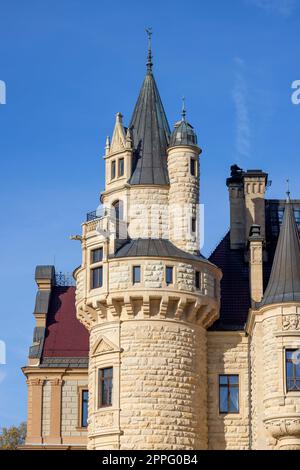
(97, 255)
(223, 379)
(84, 409)
(136, 274)
(193, 167)
(223, 399)
(97, 277)
(234, 400)
(233, 379)
(105, 386)
(194, 225)
(113, 170)
(197, 280)
(121, 167)
(169, 275)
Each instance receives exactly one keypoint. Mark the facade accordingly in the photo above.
(158, 347)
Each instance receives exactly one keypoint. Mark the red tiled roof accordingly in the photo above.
(65, 335)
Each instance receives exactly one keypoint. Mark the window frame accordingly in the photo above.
(92, 286)
(92, 261)
(169, 267)
(100, 385)
(295, 377)
(228, 386)
(119, 167)
(80, 391)
(113, 170)
(193, 167)
(198, 278)
(134, 267)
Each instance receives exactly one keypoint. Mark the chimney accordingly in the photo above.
(256, 263)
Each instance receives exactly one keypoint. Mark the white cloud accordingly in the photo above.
(281, 7)
(242, 114)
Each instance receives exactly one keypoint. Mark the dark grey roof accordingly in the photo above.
(35, 351)
(150, 133)
(183, 134)
(284, 282)
(77, 362)
(42, 301)
(149, 247)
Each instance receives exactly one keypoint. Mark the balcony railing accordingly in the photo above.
(97, 214)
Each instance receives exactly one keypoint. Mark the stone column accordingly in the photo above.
(55, 413)
(256, 264)
(34, 424)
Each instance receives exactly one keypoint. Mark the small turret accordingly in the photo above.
(183, 166)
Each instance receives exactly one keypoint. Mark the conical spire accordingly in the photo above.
(284, 283)
(150, 133)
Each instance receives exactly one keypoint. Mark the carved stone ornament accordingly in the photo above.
(291, 322)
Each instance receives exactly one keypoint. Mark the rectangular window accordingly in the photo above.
(97, 277)
(169, 275)
(84, 408)
(229, 393)
(97, 255)
(193, 167)
(105, 387)
(121, 167)
(198, 280)
(292, 364)
(136, 275)
(113, 170)
(194, 225)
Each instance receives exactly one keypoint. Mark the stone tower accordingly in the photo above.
(146, 295)
(274, 328)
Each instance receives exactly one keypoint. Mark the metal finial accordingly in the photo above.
(149, 62)
(183, 112)
(288, 192)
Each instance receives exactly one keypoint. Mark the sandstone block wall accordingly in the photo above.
(70, 408)
(227, 353)
(163, 386)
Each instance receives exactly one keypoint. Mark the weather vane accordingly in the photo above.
(288, 192)
(149, 63)
(183, 112)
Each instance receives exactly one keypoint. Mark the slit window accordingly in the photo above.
(84, 408)
(169, 275)
(136, 275)
(193, 167)
(198, 280)
(113, 170)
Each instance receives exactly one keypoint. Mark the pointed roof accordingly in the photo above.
(183, 133)
(150, 134)
(284, 282)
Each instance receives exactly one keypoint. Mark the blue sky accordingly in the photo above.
(70, 65)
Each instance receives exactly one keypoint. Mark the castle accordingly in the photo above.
(158, 347)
